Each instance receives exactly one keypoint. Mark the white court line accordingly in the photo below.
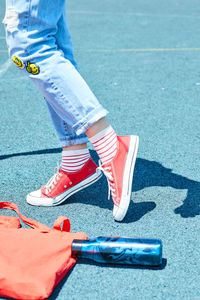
(129, 50)
(5, 67)
(137, 50)
(93, 12)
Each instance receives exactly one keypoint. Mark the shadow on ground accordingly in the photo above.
(147, 174)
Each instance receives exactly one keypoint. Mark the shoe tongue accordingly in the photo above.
(107, 164)
(62, 172)
(43, 190)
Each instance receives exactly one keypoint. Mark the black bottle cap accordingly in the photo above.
(76, 247)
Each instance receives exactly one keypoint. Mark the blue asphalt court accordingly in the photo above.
(141, 59)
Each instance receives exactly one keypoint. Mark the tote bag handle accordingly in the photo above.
(32, 223)
(36, 225)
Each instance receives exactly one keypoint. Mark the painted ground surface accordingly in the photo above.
(141, 59)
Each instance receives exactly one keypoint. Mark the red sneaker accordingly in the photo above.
(119, 173)
(62, 185)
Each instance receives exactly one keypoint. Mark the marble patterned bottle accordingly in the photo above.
(120, 250)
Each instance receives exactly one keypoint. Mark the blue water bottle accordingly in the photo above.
(120, 250)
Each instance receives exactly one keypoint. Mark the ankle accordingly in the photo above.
(97, 127)
(75, 147)
(74, 160)
(106, 144)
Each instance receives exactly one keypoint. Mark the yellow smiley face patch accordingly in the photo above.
(18, 62)
(32, 68)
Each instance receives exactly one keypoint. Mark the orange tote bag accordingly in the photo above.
(33, 261)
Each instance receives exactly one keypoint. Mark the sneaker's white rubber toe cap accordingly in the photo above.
(36, 198)
(35, 194)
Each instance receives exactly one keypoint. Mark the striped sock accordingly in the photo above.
(105, 144)
(74, 160)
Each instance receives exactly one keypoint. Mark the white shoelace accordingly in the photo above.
(107, 172)
(53, 180)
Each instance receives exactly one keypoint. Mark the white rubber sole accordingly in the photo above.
(120, 211)
(41, 201)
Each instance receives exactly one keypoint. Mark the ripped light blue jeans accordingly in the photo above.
(40, 45)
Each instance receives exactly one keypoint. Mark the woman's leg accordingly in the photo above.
(66, 133)
(31, 36)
